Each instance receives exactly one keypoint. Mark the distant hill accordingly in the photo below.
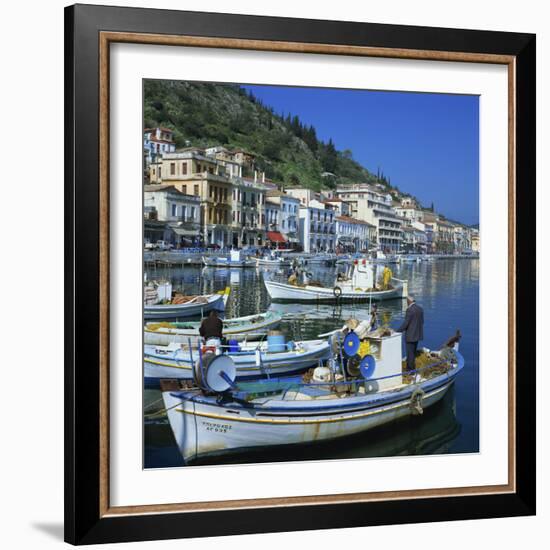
(205, 115)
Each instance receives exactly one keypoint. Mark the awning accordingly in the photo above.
(275, 237)
(185, 232)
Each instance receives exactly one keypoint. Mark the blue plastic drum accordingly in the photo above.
(276, 343)
(233, 346)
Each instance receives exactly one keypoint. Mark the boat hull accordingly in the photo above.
(236, 329)
(227, 264)
(260, 262)
(275, 364)
(284, 292)
(175, 311)
(207, 429)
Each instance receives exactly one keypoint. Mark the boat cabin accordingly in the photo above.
(386, 351)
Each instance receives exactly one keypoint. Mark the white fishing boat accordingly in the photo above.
(251, 359)
(234, 260)
(273, 260)
(160, 303)
(380, 257)
(409, 258)
(224, 415)
(357, 284)
(250, 327)
(319, 259)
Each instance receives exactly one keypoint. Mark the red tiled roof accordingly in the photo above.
(352, 220)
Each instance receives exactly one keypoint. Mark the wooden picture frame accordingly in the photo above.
(89, 32)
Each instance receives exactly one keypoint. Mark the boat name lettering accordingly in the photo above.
(215, 427)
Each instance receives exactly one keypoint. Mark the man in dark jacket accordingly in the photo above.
(212, 326)
(413, 327)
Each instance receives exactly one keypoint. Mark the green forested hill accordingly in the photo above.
(204, 115)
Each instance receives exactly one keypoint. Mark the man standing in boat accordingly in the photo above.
(212, 326)
(413, 327)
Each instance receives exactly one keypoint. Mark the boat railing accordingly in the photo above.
(357, 383)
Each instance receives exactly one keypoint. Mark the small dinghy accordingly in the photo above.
(356, 284)
(380, 257)
(273, 260)
(360, 387)
(250, 327)
(235, 260)
(161, 303)
(273, 357)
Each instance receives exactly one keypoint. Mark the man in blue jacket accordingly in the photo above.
(413, 327)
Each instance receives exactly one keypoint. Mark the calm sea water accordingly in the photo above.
(448, 290)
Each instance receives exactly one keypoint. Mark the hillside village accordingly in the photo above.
(219, 197)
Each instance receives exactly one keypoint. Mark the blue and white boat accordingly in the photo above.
(250, 327)
(226, 416)
(234, 260)
(356, 285)
(274, 259)
(160, 304)
(251, 359)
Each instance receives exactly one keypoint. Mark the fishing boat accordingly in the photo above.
(409, 258)
(234, 260)
(272, 357)
(380, 257)
(273, 260)
(162, 303)
(356, 284)
(319, 259)
(223, 415)
(250, 327)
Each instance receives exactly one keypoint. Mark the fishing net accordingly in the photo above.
(428, 365)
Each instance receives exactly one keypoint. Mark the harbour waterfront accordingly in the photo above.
(448, 290)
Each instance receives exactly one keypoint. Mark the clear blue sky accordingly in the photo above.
(427, 144)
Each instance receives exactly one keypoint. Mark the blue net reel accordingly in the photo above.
(367, 366)
(351, 344)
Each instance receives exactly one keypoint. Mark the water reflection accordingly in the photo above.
(448, 290)
(432, 433)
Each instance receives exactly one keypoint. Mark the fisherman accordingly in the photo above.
(373, 318)
(212, 326)
(386, 278)
(413, 327)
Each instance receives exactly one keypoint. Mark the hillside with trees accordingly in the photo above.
(289, 151)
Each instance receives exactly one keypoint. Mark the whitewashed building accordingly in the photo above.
(317, 228)
(284, 208)
(370, 204)
(156, 142)
(354, 235)
(181, 212)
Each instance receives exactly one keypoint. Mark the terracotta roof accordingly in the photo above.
(161, 128)
(348, 219)
(152, 188)
(161, 140)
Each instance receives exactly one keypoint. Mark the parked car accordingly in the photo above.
(163, 245)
